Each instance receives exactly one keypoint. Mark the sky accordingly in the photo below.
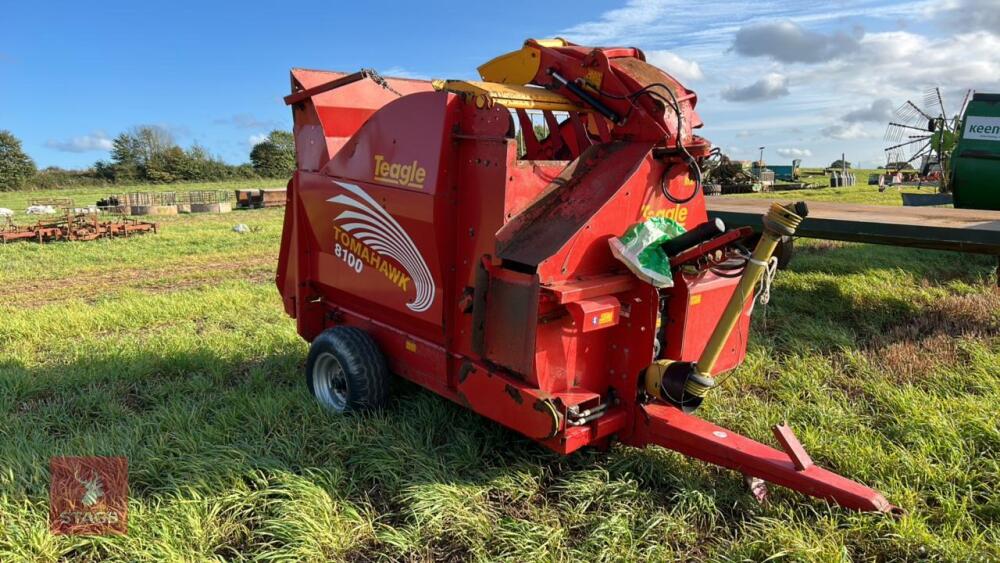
(806, 80)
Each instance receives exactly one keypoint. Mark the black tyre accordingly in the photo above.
(346, 371)
(784, 250)
(712, 189)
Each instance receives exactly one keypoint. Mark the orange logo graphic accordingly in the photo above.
(88, 495)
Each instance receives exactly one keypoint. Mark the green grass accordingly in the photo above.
(173, 350)
(819, 190)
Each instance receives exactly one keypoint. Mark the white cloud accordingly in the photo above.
(884, 62)
(768, 87)
(880, 110)
(96, 141)
(708, 29)
(619, 23)
(676, 66)
(905, 64)
(846, 132)
(968, 15)
(257, 139)
(794, 153)
(400, 72)
(788, 42)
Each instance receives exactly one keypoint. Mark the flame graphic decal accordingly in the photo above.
(368, 222)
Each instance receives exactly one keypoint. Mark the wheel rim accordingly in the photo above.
(330, 382)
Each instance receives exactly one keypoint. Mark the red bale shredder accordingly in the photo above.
(434, 232)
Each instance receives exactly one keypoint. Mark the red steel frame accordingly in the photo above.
(487, 278)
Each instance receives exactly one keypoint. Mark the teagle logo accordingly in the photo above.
(677, 213)
(408, 175)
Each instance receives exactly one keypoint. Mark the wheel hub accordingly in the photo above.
(330, 382)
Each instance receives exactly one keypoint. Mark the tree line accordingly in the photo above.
(148, 154)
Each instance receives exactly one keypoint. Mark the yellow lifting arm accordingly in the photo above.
(486, 94)
(518, 67)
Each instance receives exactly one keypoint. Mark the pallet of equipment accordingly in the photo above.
(963, 230)
(257, 198)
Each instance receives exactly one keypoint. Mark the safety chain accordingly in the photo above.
(763, 295)
(379, 79)
(764, 291)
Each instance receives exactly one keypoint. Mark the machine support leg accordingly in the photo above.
(792, 446)
(671, 428)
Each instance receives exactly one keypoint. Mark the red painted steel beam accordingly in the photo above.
(711, 245)
(569, 291)
(297, 97)
(667, 426)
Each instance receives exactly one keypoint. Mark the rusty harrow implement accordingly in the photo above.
(74, 226)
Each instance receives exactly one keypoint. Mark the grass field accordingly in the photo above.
(173, 350)
(819, 190)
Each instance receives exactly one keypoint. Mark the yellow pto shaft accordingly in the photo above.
(685, 383)
(779, 221)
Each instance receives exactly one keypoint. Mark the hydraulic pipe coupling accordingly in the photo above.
(685, 384)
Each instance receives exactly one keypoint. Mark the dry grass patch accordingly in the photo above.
(974, 314)
(911, 361)
(910, 351)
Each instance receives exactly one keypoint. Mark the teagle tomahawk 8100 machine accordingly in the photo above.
(433, 232)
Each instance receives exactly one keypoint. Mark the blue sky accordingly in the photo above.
(804, 78)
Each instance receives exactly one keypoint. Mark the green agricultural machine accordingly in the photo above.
(961, 153)
(924, 136)
(975, 160)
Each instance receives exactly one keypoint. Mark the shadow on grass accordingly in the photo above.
(197, 425)
(935, 266)
(858, 296)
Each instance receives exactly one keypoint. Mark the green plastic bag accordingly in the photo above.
(639, 248)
